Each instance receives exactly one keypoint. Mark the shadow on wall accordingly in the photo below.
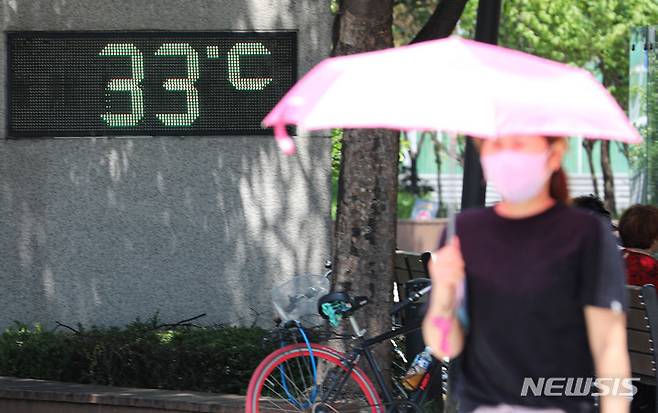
(101, 231)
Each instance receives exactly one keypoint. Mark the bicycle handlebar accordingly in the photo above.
(411, 299)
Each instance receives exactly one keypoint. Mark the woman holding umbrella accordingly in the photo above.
(545, 292)
(545, 283)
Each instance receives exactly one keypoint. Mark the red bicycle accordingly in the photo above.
(310, 377)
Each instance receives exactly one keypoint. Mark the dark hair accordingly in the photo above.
(592, 203)
(638, 226)
(558, 185)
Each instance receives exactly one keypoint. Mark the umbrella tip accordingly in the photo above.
(284, 141)
(286, 145)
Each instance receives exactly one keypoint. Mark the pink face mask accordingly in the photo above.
(517, 176)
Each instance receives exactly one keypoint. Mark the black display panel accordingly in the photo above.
(146, 83)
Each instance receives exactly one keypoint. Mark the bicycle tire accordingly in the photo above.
(256, 402)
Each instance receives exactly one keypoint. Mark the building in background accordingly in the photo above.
(643, 112)
(576, 165)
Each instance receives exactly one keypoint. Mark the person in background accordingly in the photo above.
(638, 230)
(593, 204)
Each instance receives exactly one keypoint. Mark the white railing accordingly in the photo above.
(579, 184)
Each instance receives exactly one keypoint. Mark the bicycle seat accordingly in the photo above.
(342, 303)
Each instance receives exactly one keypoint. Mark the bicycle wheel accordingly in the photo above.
(283, 382)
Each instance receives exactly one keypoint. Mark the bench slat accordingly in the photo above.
(635, 297)
(401, 276)
(409, 266)
(642, 364)
(640, 341)
(416, 264)
(400, 260)
(637, 320)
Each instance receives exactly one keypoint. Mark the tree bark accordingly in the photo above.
(413, 175)
(588, 144)
(366, 219)
(608, 80)
(437, 159)
(608, 178)
(362, 26)
(442, 22)
(365, 232)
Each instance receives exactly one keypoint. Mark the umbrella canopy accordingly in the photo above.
(453, 85)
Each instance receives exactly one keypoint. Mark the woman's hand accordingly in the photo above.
(446, 270)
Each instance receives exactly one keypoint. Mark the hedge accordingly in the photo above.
(209, 359)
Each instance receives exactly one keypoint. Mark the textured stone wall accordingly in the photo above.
(103, 230)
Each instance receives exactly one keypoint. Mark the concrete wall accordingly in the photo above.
(101, 231)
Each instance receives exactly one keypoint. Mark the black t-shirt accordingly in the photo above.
(528, 281)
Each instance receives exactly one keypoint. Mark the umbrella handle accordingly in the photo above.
(284, 141)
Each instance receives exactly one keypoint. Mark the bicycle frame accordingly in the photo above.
(362, 348)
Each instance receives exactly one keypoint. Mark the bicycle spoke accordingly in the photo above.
(278, 408)
(290, 379)
(268, 384)
(311, 375)
(321, 367)
(301, 374)
(280, 385)
(292, 385)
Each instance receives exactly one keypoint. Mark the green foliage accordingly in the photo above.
(593, 34)
(585, 33)
(649, 164)
(405, 204)
(336, 145)
(334, 6)
(215, 359)
(409, 16)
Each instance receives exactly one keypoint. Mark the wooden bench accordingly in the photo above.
(409, 266)
(642, 329)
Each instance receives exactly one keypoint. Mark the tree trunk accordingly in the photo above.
(437, 159)
(625, 150)
(608, 178)
(588, 144)
(414, 153)
(365, 233)
(413, 176)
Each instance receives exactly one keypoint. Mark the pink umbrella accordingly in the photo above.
(453, 85)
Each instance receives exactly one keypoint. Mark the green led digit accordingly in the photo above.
(132, 85)
(182, 85)
(246, 83)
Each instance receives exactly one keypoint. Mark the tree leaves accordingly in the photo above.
(587, 33)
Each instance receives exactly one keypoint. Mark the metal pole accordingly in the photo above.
(474, 187)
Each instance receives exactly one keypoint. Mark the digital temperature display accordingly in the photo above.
(65, 84)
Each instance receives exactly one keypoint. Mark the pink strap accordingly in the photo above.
(444, 324)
